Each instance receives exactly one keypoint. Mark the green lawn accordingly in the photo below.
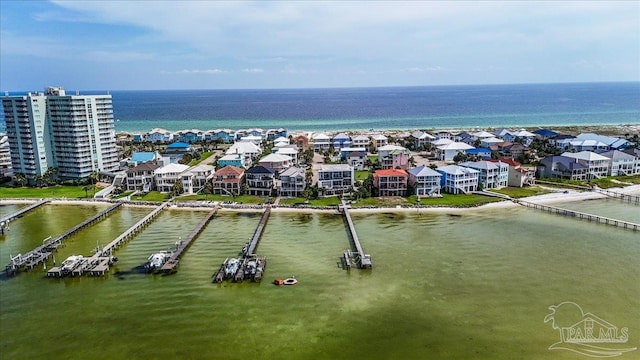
(360, 175)
(614, 181)
(242, 199)
(205, 155)
(154, 196)
(328, 201)
(456, 200)
(58, 191)
(522, 192)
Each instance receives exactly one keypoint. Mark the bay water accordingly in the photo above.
(455, 284)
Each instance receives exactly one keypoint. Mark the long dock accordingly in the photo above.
(41, 253)
(258, 233)
(580, 215)
(98, 264)
(363, 260)
(170, 265)
(634, 199)
(4, 222)
(248, 265)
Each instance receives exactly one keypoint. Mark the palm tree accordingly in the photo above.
(19, 179)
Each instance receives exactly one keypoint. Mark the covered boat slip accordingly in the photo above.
(248, 265)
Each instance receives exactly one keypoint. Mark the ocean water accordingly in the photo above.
(474, 285)
(430, 107)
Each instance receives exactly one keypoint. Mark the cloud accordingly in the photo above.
(253, 70)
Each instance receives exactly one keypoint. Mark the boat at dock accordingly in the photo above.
(155, 261)
(69, 265)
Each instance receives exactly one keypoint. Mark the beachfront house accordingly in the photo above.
(457, 179)
(612, 143)
(621, 163)
(321, 142)
(424, 181)
(248, 150)
(291, 182)
(237, 160)
(598, 166)
(228, 181)
(449, 151)
(379, 140)
(361, 141)
(139, 157)
(561, 167)
(288, 150)
(394, 156)
(260, 180)
(390, 182)
(335, 179)
(443, 134)
(190, 136)
(340, 141)
(141, 177)
(273, 134)
(195, 177)
(159, 136)
(222, 135)
(276, 161)
(421, 139)
(518, 176)
(492, 175)
(166, 176)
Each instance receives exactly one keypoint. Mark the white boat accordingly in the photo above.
(71, 263)
(155, 261)
(231, 267)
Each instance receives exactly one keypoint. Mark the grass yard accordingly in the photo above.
(242, 199)
(361, 175)
(58, 191)
(328, 201)
(455, 200)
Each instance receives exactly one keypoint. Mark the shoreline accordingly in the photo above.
(571, 129)
(560, 196)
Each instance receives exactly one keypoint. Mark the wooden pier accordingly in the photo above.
(634, 199)
(170, 265)
(98, 264)
(362, 260)
(580, 215)
(4, 222)
(250, 265)
(41, 253)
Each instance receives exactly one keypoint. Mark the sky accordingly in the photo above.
(140, 45)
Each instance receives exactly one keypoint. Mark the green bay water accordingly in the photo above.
(464, 284)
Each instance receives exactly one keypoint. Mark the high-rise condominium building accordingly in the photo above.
(71, 133)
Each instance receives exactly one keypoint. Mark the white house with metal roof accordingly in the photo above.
(457, 179)
(424, 181)
(166, 176)
(622, 163)
(597, 165)
(335, 179)
(449, 151)
(493, 175)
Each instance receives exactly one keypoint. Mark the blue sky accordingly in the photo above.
(121, 45)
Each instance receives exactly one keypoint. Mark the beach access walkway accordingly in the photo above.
(362, 260)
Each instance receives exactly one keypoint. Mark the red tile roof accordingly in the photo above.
(229, 170)
(390, 172)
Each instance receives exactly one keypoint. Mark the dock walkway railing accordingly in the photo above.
(364, 260)
(172, 262)
(580, 215)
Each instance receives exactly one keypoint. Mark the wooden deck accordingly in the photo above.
(172, 262)
(580, 215)
(4, 222)
(363, 260)
(41, 253)
(98, 264)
